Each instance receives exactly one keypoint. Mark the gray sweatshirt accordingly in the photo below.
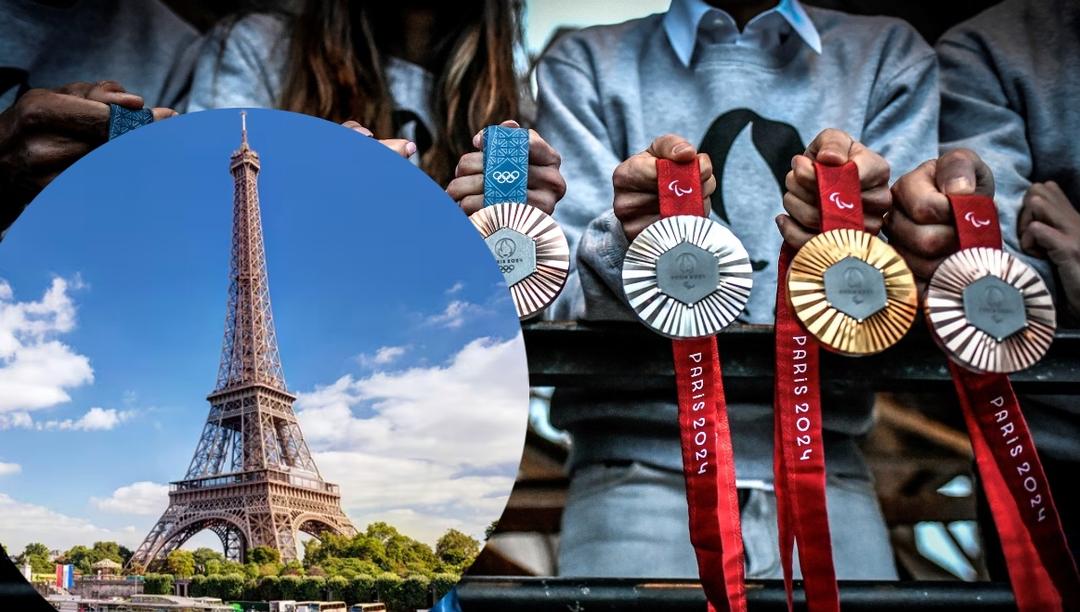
(606, 92)
(140, 43)
(1010, 80)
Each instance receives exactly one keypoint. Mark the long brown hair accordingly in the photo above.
(337, 62)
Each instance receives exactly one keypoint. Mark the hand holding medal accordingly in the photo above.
(528, 245)
(853, 294)
(687, 278)
(851, 290)
(992, 314)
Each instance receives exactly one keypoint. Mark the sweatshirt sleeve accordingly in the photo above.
(570, 117)
(241, 64)
(976, 114)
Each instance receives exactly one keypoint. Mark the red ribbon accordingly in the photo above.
(799, 450)
(708, 459)
(1041, 567)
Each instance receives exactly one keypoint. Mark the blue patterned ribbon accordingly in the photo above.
(123, 120)
(506, 165)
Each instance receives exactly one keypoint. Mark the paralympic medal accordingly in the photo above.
(530, 248)
(851, 290)
(990, 311)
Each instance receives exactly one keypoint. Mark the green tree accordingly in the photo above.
(212, 567)
(289, 587)
(338, 588)
(158, 584)
(203, 556)
(313, 588)
(457, 549)
(199, 586)
(293, 568)
(38, 556)
(79, 556)
(411, 594)
(225, 587)
(109, 550)
(269, 588)
(442, 583)
(264, 554)
(386, 585)
(362, 589)
(181, 563)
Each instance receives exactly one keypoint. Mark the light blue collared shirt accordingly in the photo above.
(686, 18)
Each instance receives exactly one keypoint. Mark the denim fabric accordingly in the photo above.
(631, 521)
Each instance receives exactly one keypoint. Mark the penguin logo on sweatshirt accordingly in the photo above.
(777, 142)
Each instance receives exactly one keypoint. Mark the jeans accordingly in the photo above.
(630, 520)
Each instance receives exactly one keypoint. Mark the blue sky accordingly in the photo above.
(387, 304)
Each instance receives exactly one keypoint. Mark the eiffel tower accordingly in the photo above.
(252, 480)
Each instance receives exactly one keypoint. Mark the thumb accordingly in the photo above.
(831, 147)
(963, 172)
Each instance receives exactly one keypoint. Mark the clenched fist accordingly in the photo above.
(832, 148)
(637, 199)
(921, 226)
(546, 184)
(47, 130)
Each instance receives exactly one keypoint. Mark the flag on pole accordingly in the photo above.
(65, 576)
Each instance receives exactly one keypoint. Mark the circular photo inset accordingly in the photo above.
(252, 357)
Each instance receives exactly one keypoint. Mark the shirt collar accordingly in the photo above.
(683, 18)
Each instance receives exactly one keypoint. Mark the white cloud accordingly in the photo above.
(440, 444)
(383, 356)
(7, 469)
(95, 419)
(454, 315)
(143, 498)
(36, 369)
(22, 523)
(455, 288)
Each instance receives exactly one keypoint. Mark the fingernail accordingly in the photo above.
(679, 148)
(960, 184)
(779, 221)
(410, 148)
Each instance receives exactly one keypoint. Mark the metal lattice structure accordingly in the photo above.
(252, 479)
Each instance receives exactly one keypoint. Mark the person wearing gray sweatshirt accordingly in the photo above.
(1010, 79)
(751, 83)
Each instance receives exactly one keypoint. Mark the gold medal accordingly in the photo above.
(852, 292)
(990, 311)
(687, 276)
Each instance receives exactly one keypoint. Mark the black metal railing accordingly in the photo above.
(628, 356)
(493, 594)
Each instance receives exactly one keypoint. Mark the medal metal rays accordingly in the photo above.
(851, 290)
(687, 276)
(528, 245)
(990, 311)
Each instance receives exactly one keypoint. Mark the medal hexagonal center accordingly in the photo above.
(687, 273)
(995, 307)
(514, 252)
(855, 288)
